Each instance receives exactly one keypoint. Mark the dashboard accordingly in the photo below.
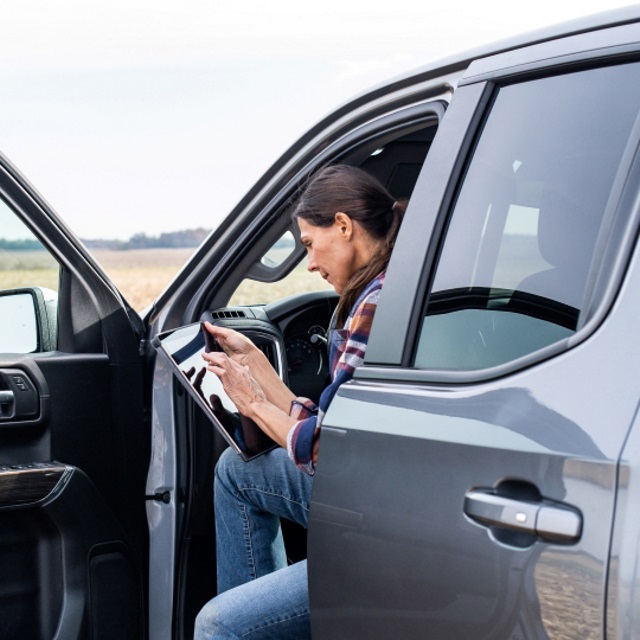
(292, 333)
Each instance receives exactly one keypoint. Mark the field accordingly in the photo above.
(142, 274)
(27, 269)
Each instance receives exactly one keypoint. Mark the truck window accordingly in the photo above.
(515, 264)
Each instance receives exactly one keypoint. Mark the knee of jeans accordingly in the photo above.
(206, 622)
(226, 468)
(219, 618)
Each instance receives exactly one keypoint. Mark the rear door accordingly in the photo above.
(73, 447)
(466, 480)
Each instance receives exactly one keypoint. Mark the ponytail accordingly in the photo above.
(375, 267)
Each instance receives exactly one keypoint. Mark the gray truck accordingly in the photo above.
(476, 478)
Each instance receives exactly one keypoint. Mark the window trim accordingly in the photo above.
(602, 46)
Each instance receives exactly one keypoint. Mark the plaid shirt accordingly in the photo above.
(345, 354)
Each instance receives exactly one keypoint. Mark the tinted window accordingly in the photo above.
(515, 263)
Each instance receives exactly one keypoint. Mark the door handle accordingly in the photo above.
(19, 397)
(548, 520)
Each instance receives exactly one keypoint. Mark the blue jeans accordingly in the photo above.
(259, 595)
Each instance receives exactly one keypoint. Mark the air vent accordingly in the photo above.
(228, 313)
(269, 350)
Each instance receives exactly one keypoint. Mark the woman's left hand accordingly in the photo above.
(237, 381)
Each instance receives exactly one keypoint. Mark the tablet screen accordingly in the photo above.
(183, 348)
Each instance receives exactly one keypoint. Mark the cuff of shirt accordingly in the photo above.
(302, 408)
(300, 441)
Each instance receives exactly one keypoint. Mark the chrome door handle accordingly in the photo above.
(21, 400)
(551, 521)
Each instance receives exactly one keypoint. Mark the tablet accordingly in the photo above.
(182, 348)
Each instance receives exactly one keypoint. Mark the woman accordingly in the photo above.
(348, 223)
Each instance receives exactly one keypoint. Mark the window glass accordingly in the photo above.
(29, 278)
(515, 262)
(280, 251)
(299, 280)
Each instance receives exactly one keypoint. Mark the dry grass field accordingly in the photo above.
(27, 269)
(142, 274)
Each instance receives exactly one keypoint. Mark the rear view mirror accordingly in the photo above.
(28, 320)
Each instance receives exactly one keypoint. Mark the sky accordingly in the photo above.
(152, 116)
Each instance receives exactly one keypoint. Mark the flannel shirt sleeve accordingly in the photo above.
(301, 436)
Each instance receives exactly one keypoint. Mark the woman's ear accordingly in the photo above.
(345, 224)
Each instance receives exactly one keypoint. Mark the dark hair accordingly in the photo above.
(350, 190)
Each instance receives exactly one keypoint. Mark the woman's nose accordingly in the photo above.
(311, 264)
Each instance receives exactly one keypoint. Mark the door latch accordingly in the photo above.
(160, 496)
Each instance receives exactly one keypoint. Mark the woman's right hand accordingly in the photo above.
(236, 345)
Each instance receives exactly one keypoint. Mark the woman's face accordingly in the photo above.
(331, 251)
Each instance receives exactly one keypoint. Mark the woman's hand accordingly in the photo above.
(237, 381)
(242, 351)
(236, 345)
(247, 393)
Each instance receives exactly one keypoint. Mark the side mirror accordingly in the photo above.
(28, 320)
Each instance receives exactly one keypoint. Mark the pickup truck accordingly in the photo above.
(476, 478)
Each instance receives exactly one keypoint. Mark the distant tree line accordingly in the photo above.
(20, 245)
(187, 238)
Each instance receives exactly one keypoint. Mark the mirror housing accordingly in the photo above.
(28, 320)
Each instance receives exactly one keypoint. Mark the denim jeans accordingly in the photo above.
(259, 595)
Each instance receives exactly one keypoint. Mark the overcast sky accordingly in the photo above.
(155, 115)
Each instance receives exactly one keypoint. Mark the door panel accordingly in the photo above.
(393, 553)
(59, 570)
(62, 541)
